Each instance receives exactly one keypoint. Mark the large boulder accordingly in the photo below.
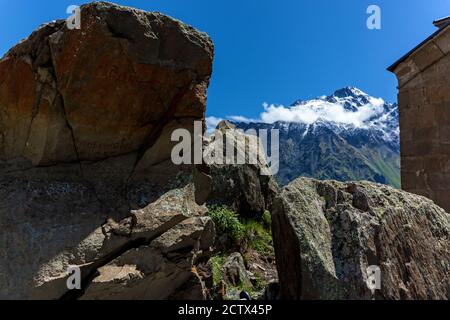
(246, 188)
(327, 234)
(105, 90)
(159, 270)
(85, 171)
(235, 272)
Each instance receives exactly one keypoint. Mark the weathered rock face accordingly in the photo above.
(234, 271)
(85, 171)
(326, 234)
(248, 188)
(105, 90)
(158, 271)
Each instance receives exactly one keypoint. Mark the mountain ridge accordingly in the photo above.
(348, 135)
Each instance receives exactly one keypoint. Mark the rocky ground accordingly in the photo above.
(86, 180)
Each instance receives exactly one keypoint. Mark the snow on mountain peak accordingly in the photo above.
(349, 91)
(347, 106)
(346, 109)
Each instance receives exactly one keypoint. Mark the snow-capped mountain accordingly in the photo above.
(348, 135)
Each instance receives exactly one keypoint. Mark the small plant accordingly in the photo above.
(227, 222)
(217, 263)
(267, 220)
(259, 283)
(258, 237)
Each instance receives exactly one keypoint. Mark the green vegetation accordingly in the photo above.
(259, 284)
(258, 237)
(267, 220)
(227, 222)
(330, 157)
(388, 165)
(253, 232)
(249, 236)
(217, 263)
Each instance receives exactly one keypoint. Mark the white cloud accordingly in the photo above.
(242, 119)
(313, 110)
(212, 122)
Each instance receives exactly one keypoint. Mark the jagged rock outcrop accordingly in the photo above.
(327, 233)
(85, 171)
(248, 188)
(108, 89)
(158, 271)
(234, 271)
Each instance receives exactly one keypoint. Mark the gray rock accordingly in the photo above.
(327, 234)
(235, 273)
(241, 187)
(161, 270)
(85, 171)
(271, 292)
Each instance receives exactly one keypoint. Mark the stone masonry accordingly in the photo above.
(424, 107)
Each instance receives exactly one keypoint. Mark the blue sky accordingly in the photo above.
(275, 51)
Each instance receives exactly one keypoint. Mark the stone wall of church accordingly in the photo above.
(424, 107)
